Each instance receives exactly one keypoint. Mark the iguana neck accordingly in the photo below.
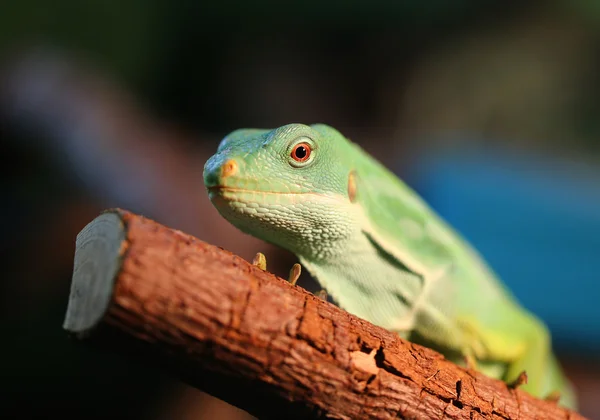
(360, 279)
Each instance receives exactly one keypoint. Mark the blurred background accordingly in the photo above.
(489, 109)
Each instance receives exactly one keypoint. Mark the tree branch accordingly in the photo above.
(252, 339)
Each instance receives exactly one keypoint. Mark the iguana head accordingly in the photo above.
(288, 186)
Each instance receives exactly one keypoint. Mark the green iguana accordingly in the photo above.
(379, 250)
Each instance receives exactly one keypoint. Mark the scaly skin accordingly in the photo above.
(379, 249)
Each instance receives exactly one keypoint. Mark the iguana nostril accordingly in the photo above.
(229, 168)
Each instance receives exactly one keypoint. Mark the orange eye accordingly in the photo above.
(301, 152)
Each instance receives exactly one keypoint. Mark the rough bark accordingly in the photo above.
(256, 341)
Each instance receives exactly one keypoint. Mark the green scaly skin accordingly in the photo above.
(379, 250)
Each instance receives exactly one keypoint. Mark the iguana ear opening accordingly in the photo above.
(352, 186)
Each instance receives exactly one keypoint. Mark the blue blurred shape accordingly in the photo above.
(535, 220)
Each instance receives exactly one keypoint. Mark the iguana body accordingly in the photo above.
(378, 249)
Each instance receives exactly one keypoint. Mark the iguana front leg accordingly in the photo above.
(260, 261)
(529, 371)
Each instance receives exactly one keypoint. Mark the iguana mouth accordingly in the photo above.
(216, 188)
(222, 188)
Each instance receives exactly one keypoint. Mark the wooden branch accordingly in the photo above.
(252, 339)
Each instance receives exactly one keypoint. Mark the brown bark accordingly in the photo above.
(256, 341)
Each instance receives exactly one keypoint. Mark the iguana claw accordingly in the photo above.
(554, 396)
(322, 294)
(260, 261)
(521, 380)
(295, 273)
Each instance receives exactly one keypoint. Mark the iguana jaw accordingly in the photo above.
(302, 222)
(233, 191)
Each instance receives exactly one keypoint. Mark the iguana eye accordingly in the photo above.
(301, 152)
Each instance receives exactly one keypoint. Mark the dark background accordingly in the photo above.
(490, 109)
